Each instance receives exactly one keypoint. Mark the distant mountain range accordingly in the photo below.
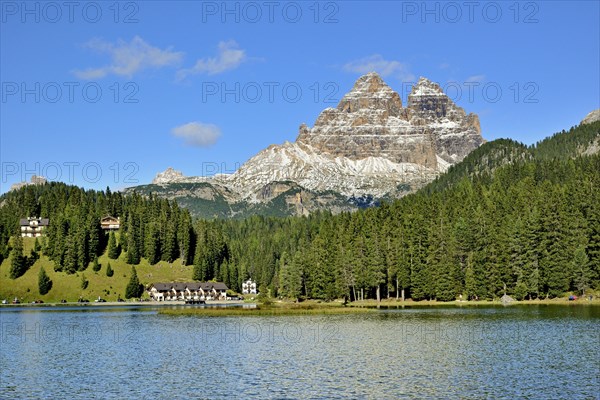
(367, 149)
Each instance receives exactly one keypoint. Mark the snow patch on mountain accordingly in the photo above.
(313, 170)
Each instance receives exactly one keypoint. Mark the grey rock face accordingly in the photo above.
(592, 117)
(369, 145)
(370, 121)
(168, 176)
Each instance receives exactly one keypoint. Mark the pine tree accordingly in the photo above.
(555, 266)
(224, 273)
(470, 283)
(291, 278)
(70, 258)
(109, 271)
(593, 248)
(185, 236)
(169, 246)
(234, 277)
(582, 270)
(133, 248)
(44, 282)
(440, 261)
(2, 252)
(375, 262)
(82, 250)
(96, 266)
(152, 245)
(18, 265)
(113, 248)
(322, 279)
(533, 282)
(134, 288)
(94, 245)
(198, 271)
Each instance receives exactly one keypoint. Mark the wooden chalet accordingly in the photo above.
(110, 223)
(33, 226)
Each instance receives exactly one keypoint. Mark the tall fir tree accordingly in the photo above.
(18, 264)
(582, 273)
(109, 271)
(113, 248)
(134, 289)
(96, 265)
(44, 282)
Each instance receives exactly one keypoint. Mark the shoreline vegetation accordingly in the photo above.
(285, 308)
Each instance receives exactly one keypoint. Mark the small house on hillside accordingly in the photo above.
(110, 223)
(33, 226)
(188, 291)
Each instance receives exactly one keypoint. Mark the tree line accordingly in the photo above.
(156, 229)
(509, 219)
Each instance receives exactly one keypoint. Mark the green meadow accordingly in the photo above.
(69, 286)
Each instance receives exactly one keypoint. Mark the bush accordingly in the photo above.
(264, 296)
(84, 282)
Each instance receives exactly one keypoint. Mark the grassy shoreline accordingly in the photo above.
(368, 306)
(284, 308)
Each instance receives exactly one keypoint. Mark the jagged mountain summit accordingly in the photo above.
(371, 122)
(368, 146)
(168, 176)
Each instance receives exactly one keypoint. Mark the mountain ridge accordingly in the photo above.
(367, 147)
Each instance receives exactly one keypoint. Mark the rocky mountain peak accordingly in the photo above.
(429, 101)
(429, 104)
(369, 145)
(370, 92)
(370, 121)
(425, 87)
(168, 176)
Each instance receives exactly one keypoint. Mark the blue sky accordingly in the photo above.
(109, 93)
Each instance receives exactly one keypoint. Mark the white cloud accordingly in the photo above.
(382, 66)
(475, 78)
(197, 134)
(229, 57)
(128, 58)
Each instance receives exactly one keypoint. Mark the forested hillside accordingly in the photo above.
(568, 144)
(152, 228)
(482, 162)
(525, 221)
(507, 217)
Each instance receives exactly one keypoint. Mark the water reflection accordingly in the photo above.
(497, 352)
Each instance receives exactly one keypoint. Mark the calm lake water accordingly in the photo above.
(513, 352)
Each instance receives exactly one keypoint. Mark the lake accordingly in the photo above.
(435, 352)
